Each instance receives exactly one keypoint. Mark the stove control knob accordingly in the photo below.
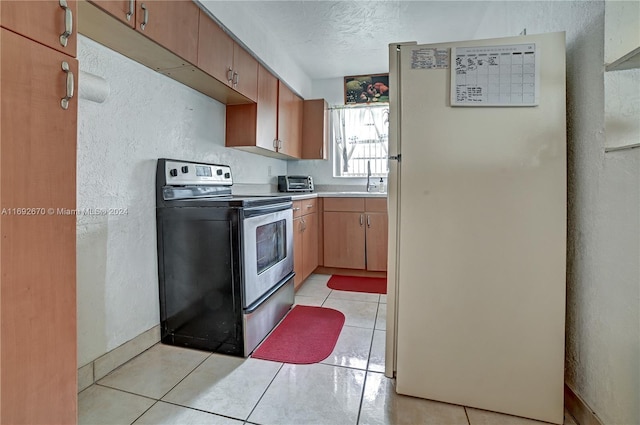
(173, 172)
(219, 172)
(185, 169)
(227, 175)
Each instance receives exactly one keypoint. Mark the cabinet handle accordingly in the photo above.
(310, 206)
(275, 143)
(132, 5)
(68, 23)
(236, 78)
(361, 219)
(230, 75)
(296, 209)
(65, 100)
(279, 144)
(368, 221)
(304, 225)
(320, 152)
(145, 18)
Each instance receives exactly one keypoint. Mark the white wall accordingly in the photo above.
(146, 116)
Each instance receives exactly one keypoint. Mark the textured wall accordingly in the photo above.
(145, 117)
(236, 17)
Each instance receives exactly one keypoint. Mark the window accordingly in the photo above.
(360, 139)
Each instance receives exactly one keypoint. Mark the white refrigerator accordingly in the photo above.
(477, 216)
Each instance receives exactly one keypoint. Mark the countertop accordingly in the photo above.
(299, 196)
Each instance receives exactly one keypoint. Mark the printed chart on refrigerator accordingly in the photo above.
(495, 76)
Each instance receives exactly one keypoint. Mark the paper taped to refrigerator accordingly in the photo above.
(495, 76)
(429, 58)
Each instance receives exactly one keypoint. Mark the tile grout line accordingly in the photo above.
(366, 372)
(264, 392)
(160, 399)
(466, 414)
(189, 373)
(143, 413)
(200, 410)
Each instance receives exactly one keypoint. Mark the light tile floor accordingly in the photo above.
(172, 385)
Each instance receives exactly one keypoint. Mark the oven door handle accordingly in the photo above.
(253, 307)
(266, 209)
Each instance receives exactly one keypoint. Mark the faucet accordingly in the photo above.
(369, 185)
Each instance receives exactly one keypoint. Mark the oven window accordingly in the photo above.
(271, 244)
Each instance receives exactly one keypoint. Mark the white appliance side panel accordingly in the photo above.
(481, 269)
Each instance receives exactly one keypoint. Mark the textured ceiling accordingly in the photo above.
(337, 38)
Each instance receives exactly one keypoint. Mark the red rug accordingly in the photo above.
(306, 335)
(371, 285)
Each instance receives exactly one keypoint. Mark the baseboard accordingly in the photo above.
(577, 407)
(105, 364)
(348, 272)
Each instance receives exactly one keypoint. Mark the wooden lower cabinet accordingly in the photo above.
(310, 244)
(344, 239)
(297, 251)
(38, 367)
(305, 239)
(376, 241)
(355, 233)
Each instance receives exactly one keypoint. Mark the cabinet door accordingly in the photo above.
(315, 129)
(38, 251)
(310, 244)
(215, 50)
(124, 10)
(172, 24)
(377, 237)
(297, 252)
(267, 109)
(289, 121)
(42, 21)
(245, 72)
(344, 240)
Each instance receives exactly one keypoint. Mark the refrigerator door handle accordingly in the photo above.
(396, 157)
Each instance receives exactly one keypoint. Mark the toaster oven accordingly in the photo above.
(295, 184)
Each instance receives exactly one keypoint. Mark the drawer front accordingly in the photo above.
(375, 205)
(344, 204)
(297, 209)
(309, 206)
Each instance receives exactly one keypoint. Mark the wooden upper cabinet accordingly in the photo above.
(289, 121)
(172, 24)
(267, 109)
(315, 129)
(245, 72)
(43, 21)
(225, 60)
(255, 125)
(215, 50)
(124, 10)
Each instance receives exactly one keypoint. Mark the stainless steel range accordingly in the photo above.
(225, 263)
